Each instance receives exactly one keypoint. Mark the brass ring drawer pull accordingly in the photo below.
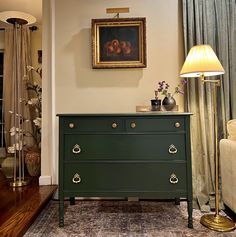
(76, 149)
(173, 179)
(133, 125)
(76, 179)
(71, 125)
(172, 149)
(114, 125)
(177, 124)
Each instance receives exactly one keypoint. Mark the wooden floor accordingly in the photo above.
(20, 206)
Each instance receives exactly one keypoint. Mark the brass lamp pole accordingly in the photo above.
(202, 62)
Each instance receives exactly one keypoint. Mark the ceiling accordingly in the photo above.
(33, 7)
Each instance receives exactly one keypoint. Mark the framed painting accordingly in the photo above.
(119, 43)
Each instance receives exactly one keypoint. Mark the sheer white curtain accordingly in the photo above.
(210, 22)
(17, 56)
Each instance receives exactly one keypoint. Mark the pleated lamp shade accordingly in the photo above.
(201, 61)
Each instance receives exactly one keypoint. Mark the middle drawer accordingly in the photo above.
(124, 147)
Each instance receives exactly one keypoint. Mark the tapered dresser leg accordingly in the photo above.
(190, 214)
(61, 213)
(177, 201)
(72, 201)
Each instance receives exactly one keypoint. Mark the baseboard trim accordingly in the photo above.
(45, 180)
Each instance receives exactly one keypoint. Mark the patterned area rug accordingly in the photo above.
(120, 219)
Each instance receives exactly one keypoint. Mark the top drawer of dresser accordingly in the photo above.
(123, 124)
(93, 124)
(160, 124)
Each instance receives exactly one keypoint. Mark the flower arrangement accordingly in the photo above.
(35, 103)
(35, 106)
(18, 145)
(163, 88)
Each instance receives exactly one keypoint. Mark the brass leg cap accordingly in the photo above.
(217, 222)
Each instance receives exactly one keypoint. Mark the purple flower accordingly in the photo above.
(163, 87)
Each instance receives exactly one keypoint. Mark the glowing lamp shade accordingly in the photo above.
(201, 61)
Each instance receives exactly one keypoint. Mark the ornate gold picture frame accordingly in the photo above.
(119, 43)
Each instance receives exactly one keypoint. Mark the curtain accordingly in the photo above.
(209, 22)
(17, 56)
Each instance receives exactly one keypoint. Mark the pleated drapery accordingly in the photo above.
(210, 22)
(17, 56)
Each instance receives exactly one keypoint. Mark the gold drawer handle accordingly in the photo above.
(173, 179)
(76, 179)
(177, 124)
(114, 125)
(76, 149)
(133, 125)
(172, 149)
(71, 125)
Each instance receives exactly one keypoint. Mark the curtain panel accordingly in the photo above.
(17, 56)
(209, 22)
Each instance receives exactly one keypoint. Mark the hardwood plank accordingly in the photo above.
(20, 206)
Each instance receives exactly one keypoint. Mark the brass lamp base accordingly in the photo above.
(20, 183)
(217, 222)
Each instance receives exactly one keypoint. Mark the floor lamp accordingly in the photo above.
(202, 62)
(17, 19)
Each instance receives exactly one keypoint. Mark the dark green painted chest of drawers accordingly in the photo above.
(145, 155)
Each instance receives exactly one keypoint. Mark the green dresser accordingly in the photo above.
(145, 155)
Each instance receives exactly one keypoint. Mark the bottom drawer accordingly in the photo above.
(124, 177)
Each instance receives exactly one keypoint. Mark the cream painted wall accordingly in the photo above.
(70, 85)
(49, 156)
(81, 89)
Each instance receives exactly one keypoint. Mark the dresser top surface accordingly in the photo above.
(156, 113)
